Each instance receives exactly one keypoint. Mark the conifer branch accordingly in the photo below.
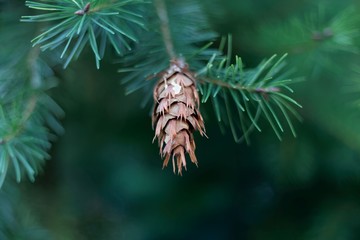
(25, 112)
(165, 28)
(79, 23)
(232, 87)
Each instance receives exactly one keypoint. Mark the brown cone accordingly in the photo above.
(176, 114)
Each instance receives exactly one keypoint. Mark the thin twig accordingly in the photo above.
(165, 29)
(238, 86)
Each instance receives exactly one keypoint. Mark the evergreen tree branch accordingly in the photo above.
(26, 112)
(240, 89)
(78, 24)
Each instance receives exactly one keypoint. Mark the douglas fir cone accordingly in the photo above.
(176, 114)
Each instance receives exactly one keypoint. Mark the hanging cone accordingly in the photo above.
(176, 115)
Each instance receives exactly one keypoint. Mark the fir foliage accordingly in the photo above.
(252, 92)
(78, 23)
(26, 111)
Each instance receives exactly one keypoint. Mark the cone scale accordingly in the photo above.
(176, 115)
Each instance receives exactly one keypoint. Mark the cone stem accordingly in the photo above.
(165, 28)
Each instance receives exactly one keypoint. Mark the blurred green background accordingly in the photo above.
(104, 179)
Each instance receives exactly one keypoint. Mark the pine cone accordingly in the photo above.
(176, 114)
